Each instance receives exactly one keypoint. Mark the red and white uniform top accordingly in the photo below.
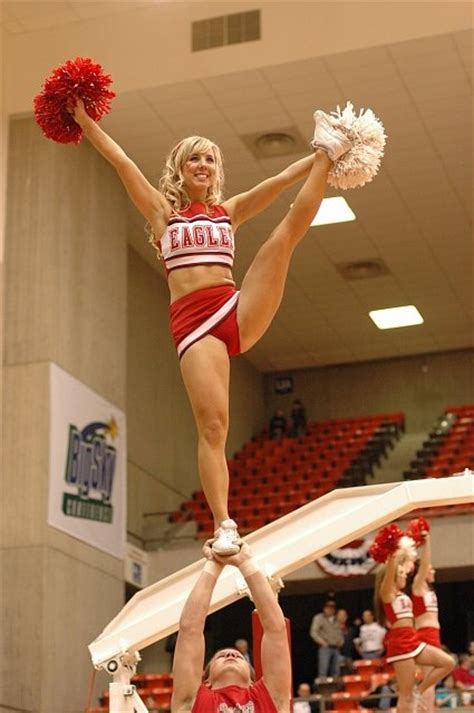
(428, 602)
(198, 236)
(234, 699)
(400, 608)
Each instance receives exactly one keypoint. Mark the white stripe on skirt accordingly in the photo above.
(210, 322)
(409, 655)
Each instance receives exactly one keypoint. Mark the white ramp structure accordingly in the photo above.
(281, 547)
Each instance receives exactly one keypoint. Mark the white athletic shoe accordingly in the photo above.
(418, 702)
(227, 538)
(329, 137)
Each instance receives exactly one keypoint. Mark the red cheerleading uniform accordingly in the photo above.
(213, 311)
(428, 602)
(234, 699)
(403, 642)
(196, 237)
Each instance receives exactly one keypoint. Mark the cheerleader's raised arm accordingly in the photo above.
(149, 201)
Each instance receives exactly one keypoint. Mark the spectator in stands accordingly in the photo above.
(389, 692)
(357, 623)
(369, 644)
(464, 679)
(326, 632)
(298, 419)
(229, 680)
(242, 645)
(348, 632)
(304, 706)
(470, 652)
(277, 428)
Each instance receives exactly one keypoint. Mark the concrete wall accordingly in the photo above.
(65, 302)
(3, 181)
(420, 386)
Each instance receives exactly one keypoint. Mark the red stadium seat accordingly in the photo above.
(343, 701)
(367, 667)
(252, 523)
(272, 478)
(159, 680)
(356, 685)
(379, 679)
(157, 697)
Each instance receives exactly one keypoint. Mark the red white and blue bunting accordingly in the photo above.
(352, 560)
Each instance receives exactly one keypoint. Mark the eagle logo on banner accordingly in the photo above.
(352, 560)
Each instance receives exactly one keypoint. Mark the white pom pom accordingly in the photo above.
(406, 550)
(361, 163)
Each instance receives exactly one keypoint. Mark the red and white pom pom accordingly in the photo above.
(417, 530)
(386, 543)
(361, 163)
(77, 78)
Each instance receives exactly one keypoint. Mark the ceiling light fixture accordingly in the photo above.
(394, 317)
(275, 143)
(333, 210)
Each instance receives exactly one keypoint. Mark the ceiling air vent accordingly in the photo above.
(363, 269)
(280, 142)
(226, 30)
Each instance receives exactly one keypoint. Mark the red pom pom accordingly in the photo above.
(417, 530)
(386, 543)
(75, 78)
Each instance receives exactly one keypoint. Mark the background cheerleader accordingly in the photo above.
(423, 596)
(404, 648)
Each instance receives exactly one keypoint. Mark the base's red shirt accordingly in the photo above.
(234, 699)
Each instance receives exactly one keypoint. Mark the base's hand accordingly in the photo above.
(238, 559)
(207, 549)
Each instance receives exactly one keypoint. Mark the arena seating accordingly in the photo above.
(369, 674)
(343, 694)
(355, 685)
(154, 689)
(271, 478)
(366, 668)
(449, 448)
(343, 701)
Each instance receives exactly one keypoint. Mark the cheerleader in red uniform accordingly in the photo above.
(404, 648)
(193, 231)
(425, 602)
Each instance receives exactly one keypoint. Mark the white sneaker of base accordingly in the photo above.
(328, 137)
(226, 542)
